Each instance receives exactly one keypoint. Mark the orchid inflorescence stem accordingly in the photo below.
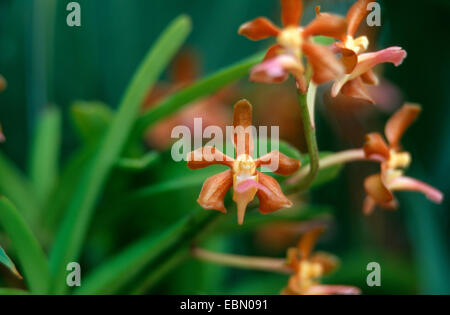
(277, 265)
(329, 161)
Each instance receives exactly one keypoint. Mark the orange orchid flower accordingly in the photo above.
(310, 267)
(292, 42)
(242, 176)
(359, 64)
(380, 187)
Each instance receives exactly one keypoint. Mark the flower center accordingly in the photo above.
(244, 166)
(291, 39)
(398, 160)
(358, 45)
(308, 272)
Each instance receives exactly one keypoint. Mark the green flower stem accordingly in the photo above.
(255, 263)
(311, 141)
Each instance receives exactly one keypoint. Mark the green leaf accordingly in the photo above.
(8, 263)
(139, 164)
(199, 89)
(8, 291)
(91, 119)
(147, 254)
(72, 232)
(60, 197)
(45, 151)
(30, 255)
(16, 187)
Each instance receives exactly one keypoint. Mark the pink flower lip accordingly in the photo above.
(247, 184)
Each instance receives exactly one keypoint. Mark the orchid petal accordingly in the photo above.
(184, 69)
(376, 189)
(206, 156)
(277, 69)
(259, 28)
(349, 59)
(370, 77)
(291, 12)
(273, 51)
(356, 14)
(399, 123)
(356, 89)
(308, 241)
(368, 205)
(284, 165)
(272, 198)
(214, 190)
(326, 25)
(367, 61)
(269, 71)
(412, 184)
(376, 147)
(242, 122)
(325, 65)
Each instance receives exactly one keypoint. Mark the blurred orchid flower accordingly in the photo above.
(380, 187)
(2, 87)
(310, 267)
(243, 176)
(213, 110)
(292, 42)
(2, 83)
(359, 64)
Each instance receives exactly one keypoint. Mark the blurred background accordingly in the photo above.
(45, 63)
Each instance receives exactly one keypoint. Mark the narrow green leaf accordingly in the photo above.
(16, 187)
(45, 152)
(30, 255)
(72, 232)
(128, 264)
(60, 197)
(8, 263)
(199, 89)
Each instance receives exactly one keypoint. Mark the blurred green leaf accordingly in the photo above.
(17, 188)
(324, 175)
(70, 238)
(152, 250)
(29, 253)
(91, 119)
(45, 151)
(8, 291)
(60, 197)
(139, 164)
(8, 263)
